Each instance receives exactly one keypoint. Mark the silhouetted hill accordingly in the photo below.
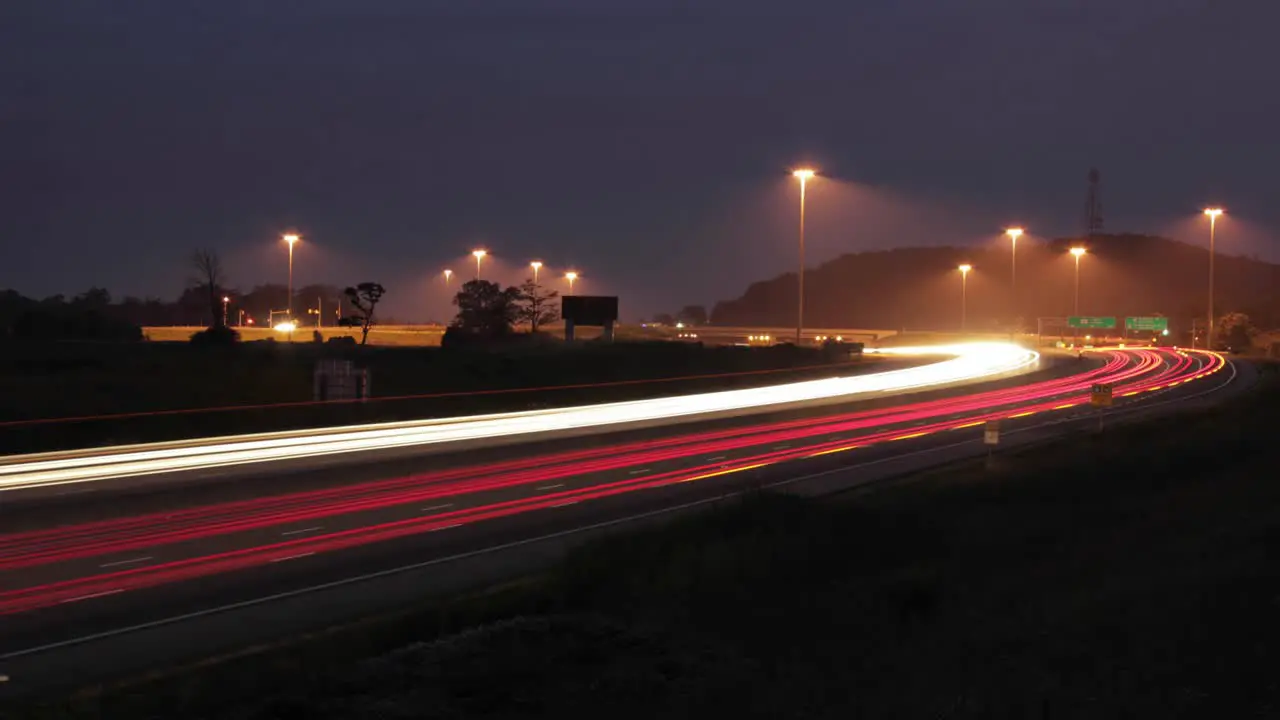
(1122, 275)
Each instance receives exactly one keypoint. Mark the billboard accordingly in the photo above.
(595, 310)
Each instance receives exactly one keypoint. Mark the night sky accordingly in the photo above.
(646, 143)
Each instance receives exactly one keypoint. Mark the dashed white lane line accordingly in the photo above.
(446, 527)
(303, 530)
(437, 507)
(718, 457)
(551, 487)
(565, 504)
(293, 557)
(93, 595)
(638, 472)
(130, 561)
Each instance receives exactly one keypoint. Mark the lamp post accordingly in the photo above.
(571, 276)
(1014, 233)
(803, 175)
(225, 300)
(291, 239)
(447, 275)
(964, 295)
(479, 255)
(1213, 214)
(1077, 253)
(536, 265)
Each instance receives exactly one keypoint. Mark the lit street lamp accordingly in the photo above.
(964, 294)
(225, 300)
(1014, 234)
(1213, 214)
(571, 276)
(447, 275)
(292, 240)
(1077, 253)
(536, 267)
(479, 256)
(803, 175)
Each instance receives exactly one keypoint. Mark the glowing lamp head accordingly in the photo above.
(1078, 251)
(447, 274)
(535, 265)
(226, 299)
(571, 275)
(802, 174)
(479, 253)
(1213, 212)
(291, 239)
(1014, 233)
(965, 268)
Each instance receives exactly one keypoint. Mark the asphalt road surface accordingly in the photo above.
(105, 587)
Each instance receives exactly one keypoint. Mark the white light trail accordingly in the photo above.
(967, 362)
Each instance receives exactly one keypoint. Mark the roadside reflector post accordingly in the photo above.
(1101, 397)
(991, 438)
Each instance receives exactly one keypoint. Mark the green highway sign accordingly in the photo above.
(1091, 323)
(1146, 324)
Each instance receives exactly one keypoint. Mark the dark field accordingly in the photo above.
(1128, 574)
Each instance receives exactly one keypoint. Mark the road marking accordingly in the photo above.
(293, 557)
(92, 596)
(967, 425)
(908, 437)
(437, 507)
(1022, 415)
(254, 602)
(834, 450)
(718, 473)
(637, 472)
(446, 527)
(126, 562)
(551, 487)
(565, 504)
(781, 447)
(303, 530)
(1064, 407)
(718, 457)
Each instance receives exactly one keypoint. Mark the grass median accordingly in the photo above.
(1122, 574)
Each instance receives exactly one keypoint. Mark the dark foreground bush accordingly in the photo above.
(216, 336)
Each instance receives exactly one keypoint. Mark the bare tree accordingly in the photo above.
(535, 305)
(209, 275)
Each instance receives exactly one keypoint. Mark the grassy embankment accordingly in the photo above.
(78, 380)
(1127, 574)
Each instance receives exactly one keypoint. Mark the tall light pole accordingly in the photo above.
(1014, 233)
(571, 276)
(479, 255)
(964, 295)
(291, 239)
(536, 265)
(225, 300)
(1077, 253)
(448, 274)
(803, 175)
(1213, 214)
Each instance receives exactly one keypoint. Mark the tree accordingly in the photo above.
(535, 306)
(484, 308)
(693, 315)
(364, 298)
(1235, 331)
(209, 276)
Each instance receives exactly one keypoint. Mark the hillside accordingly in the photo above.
(920, 287)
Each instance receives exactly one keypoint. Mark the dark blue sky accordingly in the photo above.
(646, 142)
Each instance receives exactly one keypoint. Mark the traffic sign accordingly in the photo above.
(1101, 395)
(991, 433)
(1088, 322)
(1146, 324)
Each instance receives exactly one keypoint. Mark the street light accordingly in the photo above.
(1014, 233)
(964, 294)
(1213, 214)
(1077, 253)
(536, 265)
(479, 256)
(803, 175)
(571, 276)
(225, 300)
(447, 275)
(292, 240)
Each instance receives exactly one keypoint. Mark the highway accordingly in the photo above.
(114, 583)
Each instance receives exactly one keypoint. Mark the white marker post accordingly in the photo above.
(991, 438)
